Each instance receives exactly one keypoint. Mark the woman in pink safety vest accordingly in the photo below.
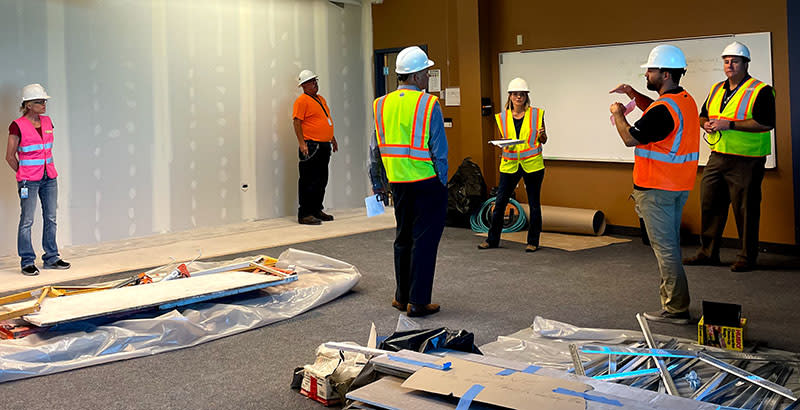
(29, 154)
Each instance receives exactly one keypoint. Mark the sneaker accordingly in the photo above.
(322, 216)
(309, 220)
(681, 318)
(30, 270)
(59, 264)
(701, 259)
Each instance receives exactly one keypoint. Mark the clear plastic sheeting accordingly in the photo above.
(82, 344)
(546, 342)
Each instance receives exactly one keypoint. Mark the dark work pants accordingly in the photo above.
(419, 209)
(533, 186)
(313, 177)
(736, 180)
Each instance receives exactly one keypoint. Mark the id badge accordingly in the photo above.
(23, 192)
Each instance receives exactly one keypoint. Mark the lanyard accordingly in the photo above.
(320, 104)
(729, 94)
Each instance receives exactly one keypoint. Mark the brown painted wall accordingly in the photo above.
(450, 30)
(457, 31)
(606, 186)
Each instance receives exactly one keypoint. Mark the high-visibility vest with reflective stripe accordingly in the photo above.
(671, 164)
(738, 108)
(529, 153)
(402, 125)
(34, 151)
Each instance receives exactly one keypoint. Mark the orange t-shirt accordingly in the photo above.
(316, 122)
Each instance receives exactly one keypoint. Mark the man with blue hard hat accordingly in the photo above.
(409, 154)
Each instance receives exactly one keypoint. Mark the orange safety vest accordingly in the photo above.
(671, 164)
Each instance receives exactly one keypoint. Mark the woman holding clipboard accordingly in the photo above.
(523, 160)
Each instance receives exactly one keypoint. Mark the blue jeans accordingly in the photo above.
(47, 190)
(661, 211)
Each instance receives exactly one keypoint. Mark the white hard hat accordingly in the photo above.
(518, 84)
(33, 92)
(412, 59)
(304, 76)
(665, 56)
(736, 49)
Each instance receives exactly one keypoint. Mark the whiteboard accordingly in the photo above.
(572, 85)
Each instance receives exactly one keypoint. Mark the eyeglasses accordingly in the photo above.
(40, 102)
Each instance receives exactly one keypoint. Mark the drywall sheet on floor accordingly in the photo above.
(130, 298)
(517, 390)
(562, 241)
(81, 344)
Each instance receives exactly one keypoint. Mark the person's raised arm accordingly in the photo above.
(623, 128)
(642, 101)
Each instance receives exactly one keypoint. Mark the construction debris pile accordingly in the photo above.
(558, 366)
(164, 309)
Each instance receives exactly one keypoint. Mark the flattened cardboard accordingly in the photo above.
(517, 390)
(387, 393)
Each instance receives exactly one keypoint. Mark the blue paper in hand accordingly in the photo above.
(374, 205)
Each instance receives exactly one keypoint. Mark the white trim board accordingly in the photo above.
(161, 294)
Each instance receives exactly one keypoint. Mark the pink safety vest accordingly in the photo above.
(35, 151)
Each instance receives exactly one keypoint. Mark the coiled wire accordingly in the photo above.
(482, 220)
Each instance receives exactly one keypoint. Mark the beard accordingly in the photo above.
(652, 86)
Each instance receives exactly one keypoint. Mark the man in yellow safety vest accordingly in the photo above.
(409, 150)
(737, 116)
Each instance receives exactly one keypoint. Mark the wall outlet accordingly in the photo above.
(519, 39)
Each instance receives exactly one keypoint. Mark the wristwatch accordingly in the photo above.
(732, 125)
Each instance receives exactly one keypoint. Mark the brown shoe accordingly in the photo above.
(322, 216)
(741, 266)
(309, 220)
(701, 259)
(531, 248)
(399, 306)
(422, 310)
(486, 245)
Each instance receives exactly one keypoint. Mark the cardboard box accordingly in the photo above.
(726, 337)
(319, 389)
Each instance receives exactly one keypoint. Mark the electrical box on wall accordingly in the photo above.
(448, 123)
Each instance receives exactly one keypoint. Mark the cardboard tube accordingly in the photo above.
(570, 220)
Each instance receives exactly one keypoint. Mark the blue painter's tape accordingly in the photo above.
(466, 399)
(444, 366)
(530, 370)
(599, 399)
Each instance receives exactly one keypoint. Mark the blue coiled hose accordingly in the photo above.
(481, 220)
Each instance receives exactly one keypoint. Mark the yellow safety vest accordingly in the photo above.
(739, 108)
(528, 153)
(402, 126)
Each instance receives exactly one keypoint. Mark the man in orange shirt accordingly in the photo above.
(313, 127)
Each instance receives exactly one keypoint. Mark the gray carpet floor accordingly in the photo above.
(490, 293)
